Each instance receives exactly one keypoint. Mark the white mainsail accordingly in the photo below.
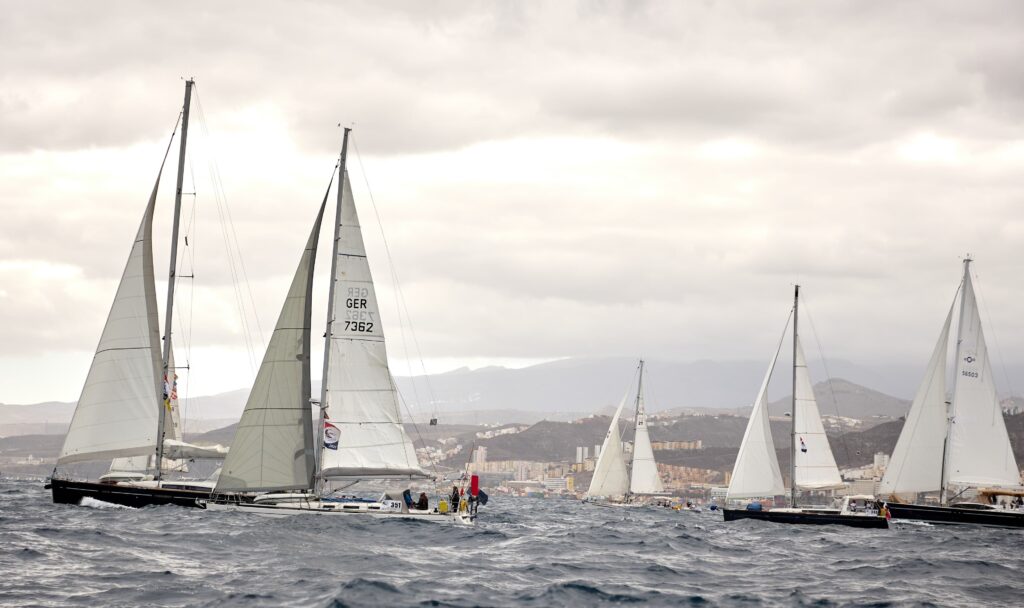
(361, 403)
(611, 479)
(916, 463)
(756, 472)
(117, 412)
(643, 476)
(815, 465)
(979, 446)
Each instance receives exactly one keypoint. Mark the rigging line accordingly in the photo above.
(399, 292)
(416, 428)
(995, 337)
(236, 260)
(828, 377)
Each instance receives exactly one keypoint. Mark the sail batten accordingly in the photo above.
(273, 447)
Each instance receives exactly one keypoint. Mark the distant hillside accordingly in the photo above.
(850, 401)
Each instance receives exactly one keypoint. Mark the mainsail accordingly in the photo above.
(117, 411)
(361, 400)
(643, 477)
(756, 472)
(979, 447)
(815, 465)
(610, 476)
(273, 446)
(916, 463)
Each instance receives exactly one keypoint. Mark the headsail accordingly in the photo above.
(815, 465)
(643, 477)
(916, 463)
(756, 472)
(610, 475)
(117, 412)
(979, 447)
(273, 446)
(362, 403)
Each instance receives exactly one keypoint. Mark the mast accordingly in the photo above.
(792, 416)
(168, 379)
(330, 312)
(956, 380)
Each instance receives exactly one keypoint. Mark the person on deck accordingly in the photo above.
(423, 503)
(455, 499)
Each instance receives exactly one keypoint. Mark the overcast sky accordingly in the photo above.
(555, 179)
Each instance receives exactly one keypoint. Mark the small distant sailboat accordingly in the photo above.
(613, 484)
(128, 411)
(278, 464)
(950, 446)
(756, 473)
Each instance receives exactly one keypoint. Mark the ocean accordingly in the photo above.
(523, 552)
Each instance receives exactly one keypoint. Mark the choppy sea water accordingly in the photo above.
(530, 552)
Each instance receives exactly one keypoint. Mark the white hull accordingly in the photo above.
(375, 510)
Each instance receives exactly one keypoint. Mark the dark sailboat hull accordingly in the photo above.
(814, 518)
(957, 515)
(70, 492)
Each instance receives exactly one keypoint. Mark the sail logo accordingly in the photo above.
(969, 359)
(803, 446)
(332, 436)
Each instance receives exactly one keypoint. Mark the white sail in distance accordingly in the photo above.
(916, 463)
(117, 412)
(643, 476)
(273, 447)
(611, 479)
(756, 472)
(815, 465)
(979, 446)
(362, 403)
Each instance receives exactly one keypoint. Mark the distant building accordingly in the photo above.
(579, 454)
(480, 455)
(597, 451)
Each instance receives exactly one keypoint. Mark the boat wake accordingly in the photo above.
(92, 503)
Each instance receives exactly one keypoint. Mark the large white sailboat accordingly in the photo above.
(279, 464)
(615, 485)
(951, 446)
(128, 411)
(756, 473)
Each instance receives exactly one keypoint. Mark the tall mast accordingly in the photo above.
(956, 380)
(636, 419)
(792, 416)
(168, 378)
(330, 311)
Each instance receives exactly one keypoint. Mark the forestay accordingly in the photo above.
(644, 478)
(815, 465)
(916, 463)
(117, 411)
(756, 472)
(979, 447)
(361, 399)
(611, 479)
(273, 446)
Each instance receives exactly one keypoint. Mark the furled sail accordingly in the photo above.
(756, 472)
(610, 476)
(362, 404)
(643, 477)
(916, 463)
(116, 415)
(979, 447)
(815, 465)
(273, 446)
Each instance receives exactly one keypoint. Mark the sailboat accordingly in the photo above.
(614, 485)
(952, 446)
(278, 464)
(756, 473)
(128, 411)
